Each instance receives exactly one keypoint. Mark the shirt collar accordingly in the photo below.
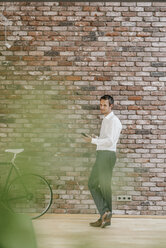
(109, 115)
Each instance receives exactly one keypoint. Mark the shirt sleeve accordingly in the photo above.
(113, 129)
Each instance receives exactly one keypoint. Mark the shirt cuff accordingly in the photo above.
(94, 141)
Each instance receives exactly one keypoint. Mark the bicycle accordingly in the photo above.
(27, 193)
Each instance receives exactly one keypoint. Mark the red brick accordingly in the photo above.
(73, 78)
(135, 98)
(90, 8)
(112, 34)
(12, 58)
(134, 107)
(65, 63)
(121, 29)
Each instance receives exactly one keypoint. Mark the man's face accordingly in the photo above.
(105, 108)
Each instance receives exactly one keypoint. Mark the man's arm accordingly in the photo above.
(113, 130)
(88, 138)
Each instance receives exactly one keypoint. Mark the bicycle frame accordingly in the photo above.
(18, 174)
(13, 167)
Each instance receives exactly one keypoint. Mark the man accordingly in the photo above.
(101, 175)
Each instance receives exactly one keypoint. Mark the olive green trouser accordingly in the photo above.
(100, 180)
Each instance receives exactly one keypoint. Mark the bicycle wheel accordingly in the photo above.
(30, 194)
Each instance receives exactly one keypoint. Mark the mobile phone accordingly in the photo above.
(84, 134)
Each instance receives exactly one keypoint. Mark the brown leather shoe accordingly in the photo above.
(96, 223)
(106, 219)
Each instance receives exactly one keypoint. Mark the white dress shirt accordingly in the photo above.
(109, 133)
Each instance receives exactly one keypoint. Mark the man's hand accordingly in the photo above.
(94, 136)
(88, 138)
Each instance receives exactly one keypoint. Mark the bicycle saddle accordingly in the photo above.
(15, 151)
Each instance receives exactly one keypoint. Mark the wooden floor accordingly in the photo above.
(73, 231)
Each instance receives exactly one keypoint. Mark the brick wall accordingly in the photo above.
(63, 58)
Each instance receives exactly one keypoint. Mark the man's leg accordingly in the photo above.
(105, 178)
(95, 188)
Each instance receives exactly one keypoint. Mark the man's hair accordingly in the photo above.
(109, 98)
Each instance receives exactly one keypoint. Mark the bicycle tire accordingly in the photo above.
(30, 194)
